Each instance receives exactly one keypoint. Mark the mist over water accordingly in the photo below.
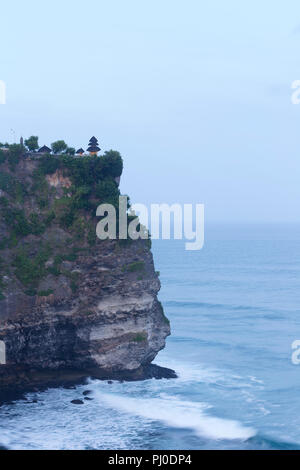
(235, 310)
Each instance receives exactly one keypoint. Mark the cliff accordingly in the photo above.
(72, 305)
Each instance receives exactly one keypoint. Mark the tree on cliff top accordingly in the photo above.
(59, 146)
(32, 143)
(70, 151)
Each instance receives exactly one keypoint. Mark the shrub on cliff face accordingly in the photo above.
(64, 212)
(20, 224)
(80, 197)
(112, 163)
(134, 267)
(40, 189)
(28, 270)
(140, 337)
(11, 186)
(107, 191)
(78, 228)
(2, 156)
(50, 216)
(45, 293)
(17, 221)
(14, 155)
(36, 226)
(48, 164)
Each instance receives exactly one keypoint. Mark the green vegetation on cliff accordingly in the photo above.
(31, 205)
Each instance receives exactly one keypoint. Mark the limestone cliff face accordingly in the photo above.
(113, 322)
(68, 300)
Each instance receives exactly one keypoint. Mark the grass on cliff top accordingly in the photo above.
(84, 170)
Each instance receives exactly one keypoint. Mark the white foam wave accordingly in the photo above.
(200, 373)
(179, 414)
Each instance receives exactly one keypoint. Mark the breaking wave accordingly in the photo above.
(180, 414)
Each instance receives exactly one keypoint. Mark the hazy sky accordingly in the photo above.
(196, 95)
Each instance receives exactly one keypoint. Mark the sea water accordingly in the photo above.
(234, 309)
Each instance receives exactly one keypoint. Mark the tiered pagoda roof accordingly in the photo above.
(93, 145)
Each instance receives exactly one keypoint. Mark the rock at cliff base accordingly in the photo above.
(153, 371)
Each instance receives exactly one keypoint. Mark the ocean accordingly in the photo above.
(234, 309)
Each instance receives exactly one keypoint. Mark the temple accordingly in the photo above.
(93, 146)
(93, 149)
(44, 149)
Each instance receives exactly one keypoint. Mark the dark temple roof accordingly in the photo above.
(44, 149)
(93, 148)
(79, 151)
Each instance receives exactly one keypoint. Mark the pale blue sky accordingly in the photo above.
(194, 94)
